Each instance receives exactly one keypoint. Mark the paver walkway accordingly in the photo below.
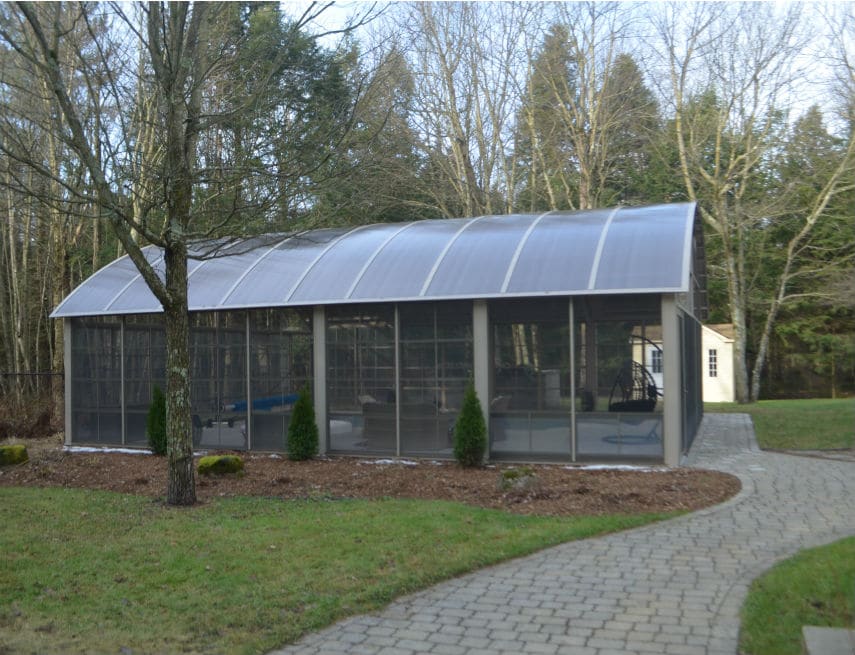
(674, 587)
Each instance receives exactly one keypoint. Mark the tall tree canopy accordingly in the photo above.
(190, 124)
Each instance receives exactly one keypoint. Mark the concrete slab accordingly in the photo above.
(828, 641)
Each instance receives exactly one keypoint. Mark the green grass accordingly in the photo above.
(87, 571)
(816, 587)
(820, 424)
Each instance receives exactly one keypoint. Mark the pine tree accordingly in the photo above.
(470, 431)
(302, 441)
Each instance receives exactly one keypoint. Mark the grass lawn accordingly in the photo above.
(87, 571)
(820, 424)
(816, 587)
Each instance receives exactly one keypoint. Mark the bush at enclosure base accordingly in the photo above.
(470, 431)
(302, 442)
(16, 454)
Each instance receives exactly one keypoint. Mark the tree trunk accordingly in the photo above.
(181, 483)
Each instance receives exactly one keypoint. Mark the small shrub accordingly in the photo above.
(220, 465)
(470, 431)
(13, 455)
(155, 425)
(302, 441)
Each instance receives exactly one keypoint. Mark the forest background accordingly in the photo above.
(435, 110)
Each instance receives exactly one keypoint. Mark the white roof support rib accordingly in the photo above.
(125, 288)
(252, 266)
(374, 255)
(595, 265)
(444, 252)
(512, 266)
(320, 256)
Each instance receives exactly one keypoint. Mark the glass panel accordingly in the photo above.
(145, 368)
(618, 389)
(478, 261)
(361, 378)
(96, 409)
(400, 270)
(530, 407)
(559, 253)
(280, 365)
(218, 379)
(436, 364)
(618, 435)
(531, 435)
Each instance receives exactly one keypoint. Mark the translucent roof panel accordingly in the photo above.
(478, 260)
(271, 279)
(645, 249)
(412, 255)
(102, 288)
(557, 256)
(641, 249)
(326, 281)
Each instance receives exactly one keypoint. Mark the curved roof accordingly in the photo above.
(603, 251)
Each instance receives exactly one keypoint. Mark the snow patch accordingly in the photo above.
(613, 467)
(95, 449)
(404, 462)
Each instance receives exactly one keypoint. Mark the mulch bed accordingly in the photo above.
(560, 490)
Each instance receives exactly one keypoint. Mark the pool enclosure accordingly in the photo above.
(580, 331)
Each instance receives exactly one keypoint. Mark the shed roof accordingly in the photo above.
(603, 251)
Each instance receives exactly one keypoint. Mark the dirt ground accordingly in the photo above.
(558, 489)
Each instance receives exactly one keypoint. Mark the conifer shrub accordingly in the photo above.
(302, 440)
(470, 431)
(155, 424)
(220, 465)
(16, 454)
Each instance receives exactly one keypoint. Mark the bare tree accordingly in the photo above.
(464, 58)
(167, 76)
(731, 73)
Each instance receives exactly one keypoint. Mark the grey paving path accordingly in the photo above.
(673, 588)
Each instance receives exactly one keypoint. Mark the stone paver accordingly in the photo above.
(673, 588)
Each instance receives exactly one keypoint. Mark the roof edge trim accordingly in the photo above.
(688, 253)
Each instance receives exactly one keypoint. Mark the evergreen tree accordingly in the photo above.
(470, 431)
(302, 441)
